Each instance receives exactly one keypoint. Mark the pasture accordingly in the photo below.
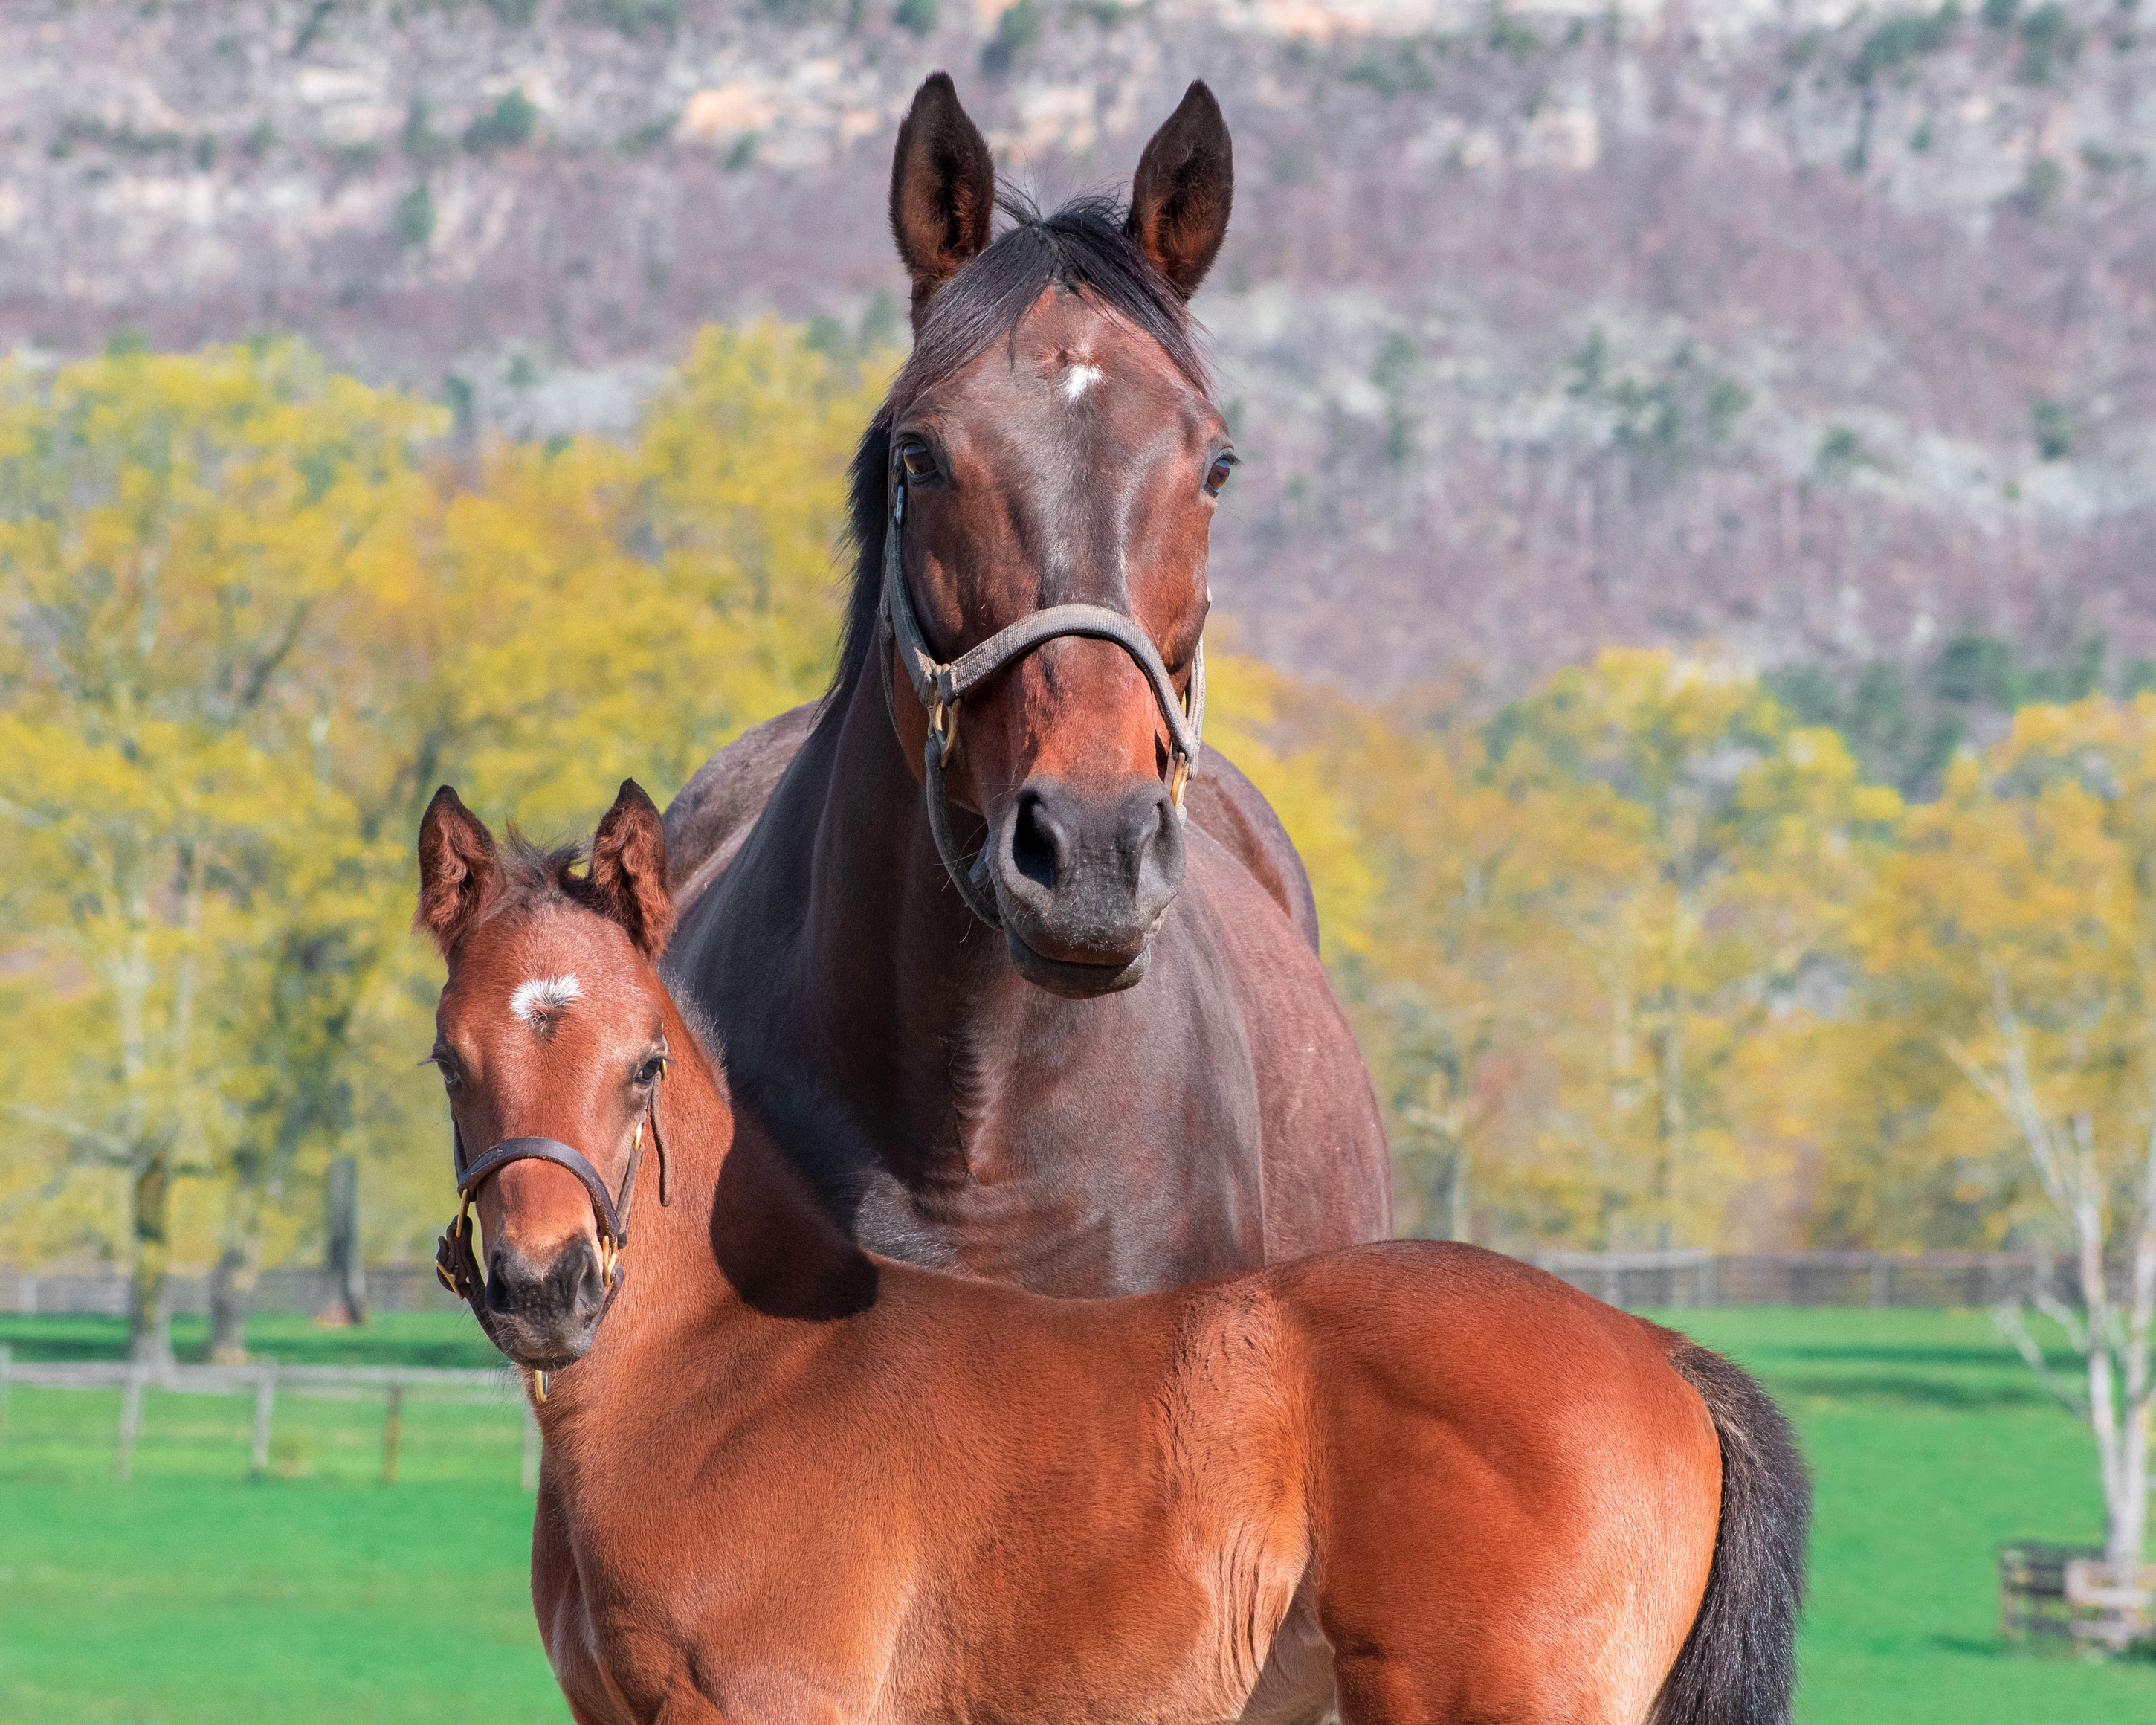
(317, 1594)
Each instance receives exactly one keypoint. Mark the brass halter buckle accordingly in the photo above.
(943, 722)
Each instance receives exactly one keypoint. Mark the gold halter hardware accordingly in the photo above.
(943, 720)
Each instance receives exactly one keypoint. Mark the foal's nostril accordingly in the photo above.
(586, 1284)
(1035, 845)
(500, 1283)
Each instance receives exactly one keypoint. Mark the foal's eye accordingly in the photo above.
(918, 463)
(1217, 475)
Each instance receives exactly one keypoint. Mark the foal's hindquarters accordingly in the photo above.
(1418, 1482)
(1515, 1498)
(1481, 1496)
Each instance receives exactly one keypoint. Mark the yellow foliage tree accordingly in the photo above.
(250, 622)
(2012, 944)
(171, 531)
(1578, 926)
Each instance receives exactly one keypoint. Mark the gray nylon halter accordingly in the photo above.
(941, 686)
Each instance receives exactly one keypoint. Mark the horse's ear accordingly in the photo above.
(458, 872)
(942, 190)
(629, 869)
(1184, 187)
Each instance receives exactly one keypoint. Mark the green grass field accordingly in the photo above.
(318, 1596)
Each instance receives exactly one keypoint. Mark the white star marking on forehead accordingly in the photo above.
(1076, 379)
(539, 1001)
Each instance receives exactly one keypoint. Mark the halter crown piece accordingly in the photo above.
(941, 686)
(454, 1263)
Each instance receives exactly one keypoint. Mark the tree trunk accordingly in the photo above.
(2129, 1529)
(149, 1323)
(341, 1256)
(231, 1292)
(239, 1264)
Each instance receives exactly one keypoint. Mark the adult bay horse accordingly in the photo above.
(1032, 1025)
(788, 1479)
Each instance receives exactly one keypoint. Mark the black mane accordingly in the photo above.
(1081, 246)
(533, 875)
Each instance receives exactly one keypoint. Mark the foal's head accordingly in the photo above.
(1058, 446)
(552, 1026)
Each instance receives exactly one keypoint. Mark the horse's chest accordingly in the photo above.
(1076, 1201)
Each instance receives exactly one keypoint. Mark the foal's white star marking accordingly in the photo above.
(540, 1001)
(1077, 379)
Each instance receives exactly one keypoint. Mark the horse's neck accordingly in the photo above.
(930, 985)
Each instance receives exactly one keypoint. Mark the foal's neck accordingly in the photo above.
(741, 1239)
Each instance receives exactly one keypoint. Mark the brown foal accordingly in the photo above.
(789, 1480)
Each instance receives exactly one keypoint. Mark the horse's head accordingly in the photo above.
(1055, 445)
(550, 1039)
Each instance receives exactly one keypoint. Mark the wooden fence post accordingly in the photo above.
(393, 1432)
(265, 1399)
(130, 1423)
(529, 1474)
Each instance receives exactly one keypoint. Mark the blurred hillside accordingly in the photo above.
(1804, 326)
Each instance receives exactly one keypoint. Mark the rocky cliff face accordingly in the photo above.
(1818, 330)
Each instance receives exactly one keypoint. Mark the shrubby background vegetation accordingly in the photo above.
(1660, 953)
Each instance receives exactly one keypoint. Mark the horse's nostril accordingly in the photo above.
(1033, 846)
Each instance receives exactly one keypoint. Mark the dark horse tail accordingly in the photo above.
(1738, 1666)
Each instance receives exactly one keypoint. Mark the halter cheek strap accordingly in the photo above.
(941, 686)
(454, 1261)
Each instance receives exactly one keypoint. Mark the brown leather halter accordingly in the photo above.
(454, 1262)
(941, 686)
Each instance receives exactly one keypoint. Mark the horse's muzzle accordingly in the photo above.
(1083, 882)
(544, 1316)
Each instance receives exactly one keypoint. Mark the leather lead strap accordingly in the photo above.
(940, 687)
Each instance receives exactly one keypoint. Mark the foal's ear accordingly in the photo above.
(1184, 187)
(629, 869)
(942, 190)
(458, 873)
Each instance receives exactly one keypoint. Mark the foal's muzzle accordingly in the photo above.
(545, 1315)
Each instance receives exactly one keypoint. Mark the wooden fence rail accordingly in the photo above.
(1671, 1278)
(1874, 1279)
(265, 1381)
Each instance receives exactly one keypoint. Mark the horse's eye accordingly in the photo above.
(1217, 475)
(452, 1081)
(649, 1072)
(919, 463)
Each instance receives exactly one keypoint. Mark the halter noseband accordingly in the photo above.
(454, 1263)
(941, 686)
